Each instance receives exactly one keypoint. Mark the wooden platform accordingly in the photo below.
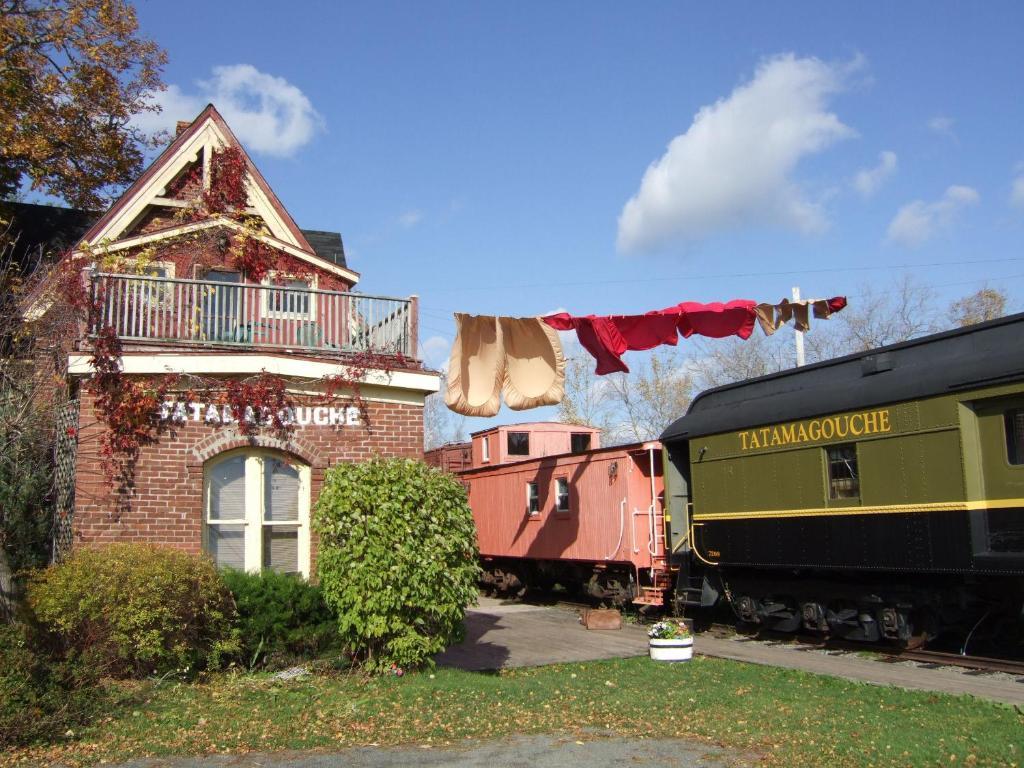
(501, 634)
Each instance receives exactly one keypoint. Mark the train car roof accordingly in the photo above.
(979, 355)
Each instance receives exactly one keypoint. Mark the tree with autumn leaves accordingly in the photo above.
(72, 75)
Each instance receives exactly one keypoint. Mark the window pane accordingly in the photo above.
(280, 491)
(295, 302)
(281, 548)
(226, 545)
(1015, 436)
(579, 442)
(533, 502)
(844, 482)
(227, 489)
(519, 443)
(220, 305)
(562, 491)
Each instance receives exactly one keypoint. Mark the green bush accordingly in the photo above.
(280, 614)
(397, 559)
(39, 697)
(136, 609)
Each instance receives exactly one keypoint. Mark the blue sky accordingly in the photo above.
(482, 155)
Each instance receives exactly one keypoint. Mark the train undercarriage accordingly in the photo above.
(975, 611)
(617, 584)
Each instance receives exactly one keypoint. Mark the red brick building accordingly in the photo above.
(206, 290)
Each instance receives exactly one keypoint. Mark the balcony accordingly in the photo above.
(207, 313)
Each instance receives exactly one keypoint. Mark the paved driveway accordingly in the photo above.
(517, 752)
(500, 634)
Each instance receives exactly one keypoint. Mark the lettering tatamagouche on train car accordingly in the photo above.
(846, 425)
(262, 364)
(875, 496)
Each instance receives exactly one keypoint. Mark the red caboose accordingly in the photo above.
(590, 519)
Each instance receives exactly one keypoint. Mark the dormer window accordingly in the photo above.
(518, 443)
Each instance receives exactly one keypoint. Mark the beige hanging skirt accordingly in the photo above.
(476, 368)
(534, 363)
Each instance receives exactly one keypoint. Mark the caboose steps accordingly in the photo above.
(650, 596)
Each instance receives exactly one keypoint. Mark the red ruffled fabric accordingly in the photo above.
(607, 337)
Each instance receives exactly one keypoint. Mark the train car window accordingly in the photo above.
(485, 454)
(1015, 436)
(843, 478)
(562, 494)
(532, 499)
(579, 442)
(518, 443)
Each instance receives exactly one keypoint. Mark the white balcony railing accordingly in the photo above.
(207, 312)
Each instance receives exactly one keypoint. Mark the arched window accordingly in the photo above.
(256, 511)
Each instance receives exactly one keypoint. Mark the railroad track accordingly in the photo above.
(942, 658)
(886, 655)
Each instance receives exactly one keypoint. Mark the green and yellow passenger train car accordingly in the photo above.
(878, 495)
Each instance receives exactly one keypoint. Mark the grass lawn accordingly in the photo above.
(792, 718)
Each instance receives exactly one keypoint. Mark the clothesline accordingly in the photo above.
(522, 358)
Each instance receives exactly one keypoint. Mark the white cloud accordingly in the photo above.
(410, 219)
(1017, 192)
(435, 352)
(868, 180)
(267, 113)
(733, 165)
(942, 125)
(918, 221)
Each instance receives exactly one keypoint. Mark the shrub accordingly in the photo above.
(280, 614)
(135, 609)
(397, 559)
(40, 697)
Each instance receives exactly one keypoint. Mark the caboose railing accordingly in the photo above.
(208, 312)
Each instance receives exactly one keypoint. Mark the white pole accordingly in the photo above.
(798, 335)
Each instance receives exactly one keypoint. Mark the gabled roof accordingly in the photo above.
(208, 132)
(45, 231)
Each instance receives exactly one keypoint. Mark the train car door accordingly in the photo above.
(997, 524)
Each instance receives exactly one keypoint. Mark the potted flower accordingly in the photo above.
(671, 641)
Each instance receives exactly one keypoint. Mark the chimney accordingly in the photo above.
(181, 126)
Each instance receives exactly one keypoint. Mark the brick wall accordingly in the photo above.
(166, 506)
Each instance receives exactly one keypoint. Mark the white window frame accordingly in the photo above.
(485, 450)
(558, 495)
(166, 266)
(268, 287)
(158, 295)
(532, 485)
(254, 521)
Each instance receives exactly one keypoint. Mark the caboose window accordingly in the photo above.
(1015, 436)
(843, 478)
(518, 443)
(579, 442)
(532, 499)
(562, 494)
